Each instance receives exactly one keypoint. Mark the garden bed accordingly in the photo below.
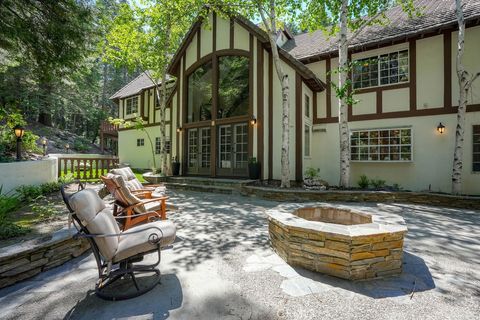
(422, 198)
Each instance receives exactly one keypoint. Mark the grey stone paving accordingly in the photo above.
(221, 267)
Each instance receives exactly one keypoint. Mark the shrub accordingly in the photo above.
(312, 173)
(363, 182)
(8, 228)
(377, 183)
(81, 145)
(28, 193)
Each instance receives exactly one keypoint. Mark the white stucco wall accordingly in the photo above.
(14, 174)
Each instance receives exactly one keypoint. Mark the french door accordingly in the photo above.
(199, 150)
(232, 151)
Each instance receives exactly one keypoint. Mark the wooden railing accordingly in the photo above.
(108, 128)
(86, 168)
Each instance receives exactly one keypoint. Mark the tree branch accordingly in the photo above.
(365, 24)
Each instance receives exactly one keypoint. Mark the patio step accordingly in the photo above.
(200, 188)
(204, 184)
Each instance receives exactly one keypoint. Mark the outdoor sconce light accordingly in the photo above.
(179, 129)
(19, 132)
(44, 144)
(67, 146)
(441, 128)
(212, 123)
(253, 121)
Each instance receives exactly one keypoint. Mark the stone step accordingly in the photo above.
(200, 188)
(203, 181)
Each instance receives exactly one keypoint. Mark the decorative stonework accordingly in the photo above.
(338, 241)
(27, 259)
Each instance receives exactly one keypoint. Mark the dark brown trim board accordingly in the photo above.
(199, 41)
(298, 128)
(413, 74)
(214, 31)
(260, 97)
(270, 116)
(328, 93)
(250, 96)
(177, 153)
(447, 69)
(315, 104)
(232, 33)
(379, 102)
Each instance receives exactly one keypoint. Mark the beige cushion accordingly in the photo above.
(123, 192)
(152, 206)
(134, 185)
(137, 243)
(126, 173)
(86, 204)
(98, 219)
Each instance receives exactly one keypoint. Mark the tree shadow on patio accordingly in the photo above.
(156, 304)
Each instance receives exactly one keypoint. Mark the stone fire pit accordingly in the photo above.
(337, 240)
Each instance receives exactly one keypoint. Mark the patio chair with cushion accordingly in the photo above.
(129, 205)
(134, 184)
(117, 253)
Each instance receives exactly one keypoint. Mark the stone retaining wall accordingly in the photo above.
(25, 260)
(433, 199)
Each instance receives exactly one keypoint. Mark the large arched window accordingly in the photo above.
(199, 101)
(232, 89)
(233, 86)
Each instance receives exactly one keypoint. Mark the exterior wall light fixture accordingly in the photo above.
(253, 121)
(19, 132)
(441, 128)
(179, 129)
(44, 145)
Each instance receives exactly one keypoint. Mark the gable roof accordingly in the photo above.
(310, 78)
(141, 82)
(436, 15)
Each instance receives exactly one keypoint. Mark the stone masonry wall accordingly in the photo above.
(25, 260)
(432, 199)
(346, 257)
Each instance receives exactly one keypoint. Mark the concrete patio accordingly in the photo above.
(222, 267)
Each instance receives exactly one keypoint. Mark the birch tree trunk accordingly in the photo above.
(462, 103)
(270, 24)
(342, 101)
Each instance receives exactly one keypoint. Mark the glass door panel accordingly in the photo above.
(192, 150)
(199, 150)
(232, 150)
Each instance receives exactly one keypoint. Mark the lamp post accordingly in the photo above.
(19, 132)
(44, 144)
(67, 146)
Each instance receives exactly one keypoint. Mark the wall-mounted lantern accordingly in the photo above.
(179, 129)
(253, 121)
(19, 132)
(44, 145)
(441, 128)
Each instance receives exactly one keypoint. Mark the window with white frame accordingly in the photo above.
(381, 145)
(140, 142)
(307, 127)
(476, 149)
(158, 145)
(131, 105)
(385, 69)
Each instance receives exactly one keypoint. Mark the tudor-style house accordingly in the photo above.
(225, 102)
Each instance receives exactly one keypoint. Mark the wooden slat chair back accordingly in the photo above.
(133, 207)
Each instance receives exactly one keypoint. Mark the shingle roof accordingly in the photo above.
(135, 86)
(435, 14)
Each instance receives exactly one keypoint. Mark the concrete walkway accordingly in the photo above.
(221, 267)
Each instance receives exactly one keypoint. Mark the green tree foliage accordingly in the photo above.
(50, 62)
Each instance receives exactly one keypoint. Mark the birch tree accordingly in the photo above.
(346, 19)
(145, 38)
(270, 12)
(465, 82)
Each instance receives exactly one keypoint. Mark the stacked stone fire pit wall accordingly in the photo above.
(25, 260)
(349, 252)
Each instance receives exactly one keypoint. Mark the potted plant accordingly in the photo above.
(312, 181)
(175, 166)
(253, 169)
